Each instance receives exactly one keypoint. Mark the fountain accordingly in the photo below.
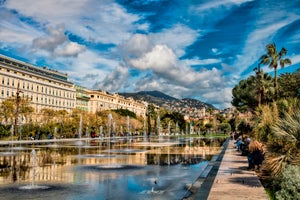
(34, 173)
(128, 125)
(158, 125)
(80, 127)
(101, 131)
(132, 174)
(79, 143)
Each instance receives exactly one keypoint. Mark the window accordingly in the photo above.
(7, 81)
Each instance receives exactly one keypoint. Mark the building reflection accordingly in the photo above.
(58, 164)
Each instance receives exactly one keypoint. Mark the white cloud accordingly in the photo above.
(96, 21)
(114, 80)
(69, 49)
(177, 38)
(57, 43)
(14, 31)
(136, 46)
(202, 62)
(55, 37)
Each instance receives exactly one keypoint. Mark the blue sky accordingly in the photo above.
(184, 48)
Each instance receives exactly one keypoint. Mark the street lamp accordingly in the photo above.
(18, 99)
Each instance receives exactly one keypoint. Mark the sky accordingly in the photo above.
(184, 48)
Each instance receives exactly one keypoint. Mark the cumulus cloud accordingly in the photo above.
(136, 46)
(114, 80)
(57, 43)
(163, 62)
(178, 37)
(55, 37)
(69, 49)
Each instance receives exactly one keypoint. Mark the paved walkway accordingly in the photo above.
(234, 181)
(228, 179)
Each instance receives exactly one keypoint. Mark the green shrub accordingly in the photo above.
(289, 182)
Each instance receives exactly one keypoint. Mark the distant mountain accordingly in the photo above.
(180, 105)
(154, 97)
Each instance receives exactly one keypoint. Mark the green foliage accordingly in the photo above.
(272, 58)
(244, 94)
(208, 126)
(284, 148)
(125, 112)
(266, 116)
(174, 117)
(244, 127)
(4, 131)
(151, 115)
(289, 182)
(225, 127)
(289, 85)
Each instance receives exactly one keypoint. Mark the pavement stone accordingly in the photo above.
(234, 181)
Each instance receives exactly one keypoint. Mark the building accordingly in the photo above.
(102, 100)
(82, 98)
(45, 88)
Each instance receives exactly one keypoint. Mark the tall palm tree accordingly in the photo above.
(272, 58)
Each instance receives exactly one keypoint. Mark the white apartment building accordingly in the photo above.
(51, 89)
(102, 100)
(45, 88)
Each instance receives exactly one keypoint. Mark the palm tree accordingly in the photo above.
(272, 58)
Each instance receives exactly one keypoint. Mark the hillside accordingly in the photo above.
(186, 106)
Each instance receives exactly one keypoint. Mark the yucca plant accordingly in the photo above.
(284, 149)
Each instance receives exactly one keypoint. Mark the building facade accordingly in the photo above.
(45, 88)
(102, 100)
(82, 98)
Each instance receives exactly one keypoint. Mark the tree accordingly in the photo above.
(7, 110)
(289, 84)
(258, 72)
(48, 114)
(244, 94)
(272, 58)
(151, 114)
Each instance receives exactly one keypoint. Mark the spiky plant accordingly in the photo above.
(285, 147)
(266, 116)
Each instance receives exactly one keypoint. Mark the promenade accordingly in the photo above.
(229, 179)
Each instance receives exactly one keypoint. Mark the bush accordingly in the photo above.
(289, 182)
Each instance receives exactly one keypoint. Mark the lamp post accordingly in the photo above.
(18, 99)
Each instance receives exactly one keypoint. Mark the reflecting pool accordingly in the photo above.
(104, 168)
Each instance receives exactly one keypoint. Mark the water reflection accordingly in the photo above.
(106, 169)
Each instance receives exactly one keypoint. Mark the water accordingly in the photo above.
(104, 169)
